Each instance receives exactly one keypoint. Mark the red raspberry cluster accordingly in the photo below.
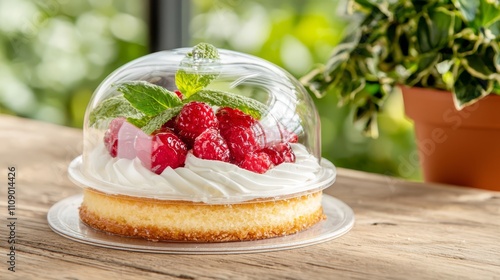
(227, 135)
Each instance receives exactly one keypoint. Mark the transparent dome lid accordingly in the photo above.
(201, 124)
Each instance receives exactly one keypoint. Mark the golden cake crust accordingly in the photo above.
(198, 222)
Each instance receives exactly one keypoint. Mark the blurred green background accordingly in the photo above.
(54, 53)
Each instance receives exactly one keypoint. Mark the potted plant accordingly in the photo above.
(445, 57)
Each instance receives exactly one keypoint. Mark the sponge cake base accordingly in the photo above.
(159, 220)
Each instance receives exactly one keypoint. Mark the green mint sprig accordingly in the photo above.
(157, 121)
(113, 107)
(148, 98)
(149, 106)
(191, 83)
(193, 74)
(144, 104)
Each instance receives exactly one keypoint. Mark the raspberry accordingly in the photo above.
(170, 124)
(287, 135)
(290, 137)
(229, 117)
(120, 137)
(241, 141)
(279, 153)
(164, 128)
(242, 132)
(194, 118)
(210, 145)
(163, 149)
(111, 136)
(258, 162)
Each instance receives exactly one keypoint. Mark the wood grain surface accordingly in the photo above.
(403, 230)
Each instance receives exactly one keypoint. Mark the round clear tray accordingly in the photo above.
(63, 219)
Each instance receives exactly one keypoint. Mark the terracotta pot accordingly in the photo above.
(456, 147)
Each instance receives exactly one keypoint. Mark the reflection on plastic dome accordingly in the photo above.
(202, 115)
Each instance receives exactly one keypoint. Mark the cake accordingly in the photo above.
(189, 221)
(201, 145)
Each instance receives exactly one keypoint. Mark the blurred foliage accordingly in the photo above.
(438, 44)
(54, 53)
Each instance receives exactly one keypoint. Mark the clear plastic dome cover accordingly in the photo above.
(180, 124)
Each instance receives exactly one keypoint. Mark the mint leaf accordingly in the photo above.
(113, 107)
(204, 51)
(190, 83)
(139, 122)
(195, 71)
(227, 99)
(150, 124)
(148, 98)
(159, 120)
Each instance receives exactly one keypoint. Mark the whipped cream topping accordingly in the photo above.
(204, 180)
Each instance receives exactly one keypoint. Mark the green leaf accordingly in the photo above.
(225, 99)
(496, 88)
(480, 14)
(480, 67)
(365, 116)
(196, 71)
(443, 23)
(192, 82)
(435, 29)
(116, 106)
(367, 4)
(349, 90)
(139, 122)
(316, 82)
(342, 52)
(320, 80)
(469, 89)
(148, 98)
(204, 51)
(156, 122)
(468, 8)
(489, 13)
(425, 64)
(423, 34)
(495, 28)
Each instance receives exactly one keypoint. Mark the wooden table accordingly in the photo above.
(403, 230)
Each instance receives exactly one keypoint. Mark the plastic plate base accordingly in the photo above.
(63, 219)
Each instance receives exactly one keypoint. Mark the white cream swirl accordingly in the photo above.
(204, 180)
